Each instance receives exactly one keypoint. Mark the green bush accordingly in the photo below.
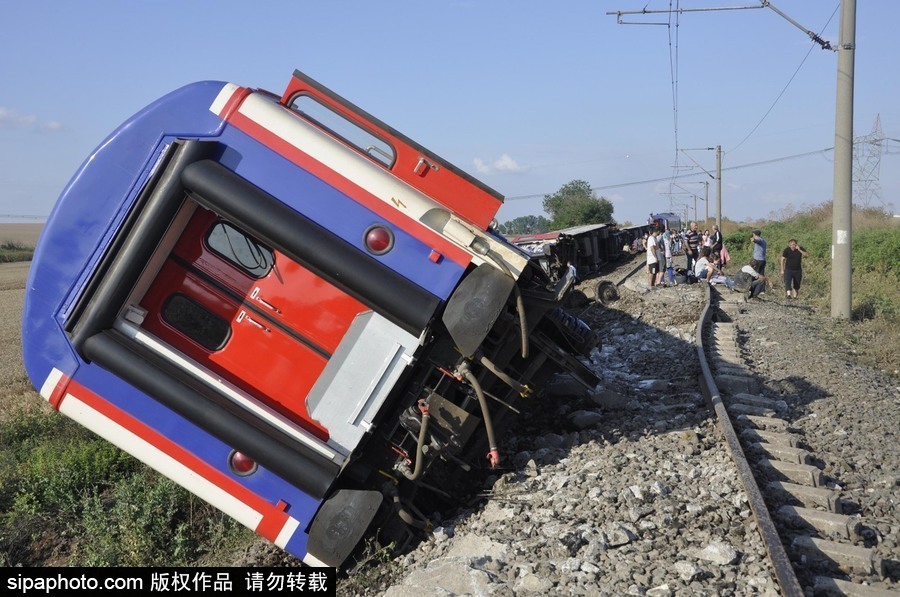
(878, 251)
(59, 474)
(58, 479)
(11, 251)
(148, 520)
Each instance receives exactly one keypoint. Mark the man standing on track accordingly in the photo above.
(652, 256)
(691, 246)
(664, 244)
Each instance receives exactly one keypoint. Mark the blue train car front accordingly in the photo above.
(269, 311)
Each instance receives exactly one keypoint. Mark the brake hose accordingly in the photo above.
(494, 454)
(420, 456)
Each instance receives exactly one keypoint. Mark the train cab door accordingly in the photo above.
(247, 313)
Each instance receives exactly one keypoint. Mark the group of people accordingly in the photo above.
(706, 257)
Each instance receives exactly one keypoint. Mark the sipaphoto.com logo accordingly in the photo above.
(64, 582)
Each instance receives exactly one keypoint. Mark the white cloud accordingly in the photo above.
(13, 119)
(504, 163)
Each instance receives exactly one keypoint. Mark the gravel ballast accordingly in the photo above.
(634, 493)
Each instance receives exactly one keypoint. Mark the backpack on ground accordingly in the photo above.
(742, 282)
(680, 276)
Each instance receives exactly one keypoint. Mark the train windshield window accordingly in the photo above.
(241, 250)
(196, 322)
(339, 126)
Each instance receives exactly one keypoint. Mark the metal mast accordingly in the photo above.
(842, 205)
(867, 152)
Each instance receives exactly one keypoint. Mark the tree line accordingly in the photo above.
(574, 204)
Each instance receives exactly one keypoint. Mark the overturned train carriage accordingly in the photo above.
(292, 310)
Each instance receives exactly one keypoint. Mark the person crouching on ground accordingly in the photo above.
(652, 257)
(704, 269)
(760, 281)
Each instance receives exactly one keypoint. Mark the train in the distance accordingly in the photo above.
(294, 311)
(588, 248)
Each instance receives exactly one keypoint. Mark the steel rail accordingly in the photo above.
(784, 571)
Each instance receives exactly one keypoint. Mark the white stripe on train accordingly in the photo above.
(76, 409)
(353, 166)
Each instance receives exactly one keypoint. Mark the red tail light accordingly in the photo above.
(241, 464)
(378, 240)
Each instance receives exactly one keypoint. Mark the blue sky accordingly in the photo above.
(525, 95)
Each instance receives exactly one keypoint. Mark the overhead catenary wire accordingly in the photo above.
(673, 58)
(788, 84)
(673, 73)
(680, 176)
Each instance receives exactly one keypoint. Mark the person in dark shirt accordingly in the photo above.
(716, 245)
(691, 246)
(792, 268)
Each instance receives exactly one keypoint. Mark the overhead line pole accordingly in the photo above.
(706, 200)
(719, 186)
(842, 202)
(718, 177)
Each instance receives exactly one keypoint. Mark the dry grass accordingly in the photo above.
(16, 392)
(23, 234)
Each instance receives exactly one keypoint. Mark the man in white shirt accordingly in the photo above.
(652, 257)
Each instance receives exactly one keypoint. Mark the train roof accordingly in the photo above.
(554, 235)
(531, 238)
(576, 230)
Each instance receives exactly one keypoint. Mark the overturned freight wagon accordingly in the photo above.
(292, 310)
(587, 248)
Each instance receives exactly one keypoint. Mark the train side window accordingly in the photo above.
(196, 322)
(344, 129)
(240, 250)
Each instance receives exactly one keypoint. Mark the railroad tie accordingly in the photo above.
(755, 400)
(825, 585)
(802, 474)
(761, 422)
(750, 434)
(827, 523)
(725, 368)
(781, 453)
(737, 384)
(808, 496)
(739, 408)
(845, 558)
(725, 356)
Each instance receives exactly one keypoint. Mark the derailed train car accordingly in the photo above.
(587, 248)
(292, 310)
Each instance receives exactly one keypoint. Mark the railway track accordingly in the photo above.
(650, 495)
(813, 545)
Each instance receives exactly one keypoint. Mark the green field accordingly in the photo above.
(873, 332)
